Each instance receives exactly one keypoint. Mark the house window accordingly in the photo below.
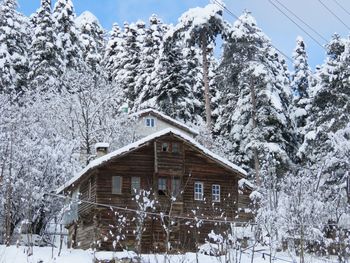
(198, 191)
(175, 148)
(150, 122)
(215, 193)
(116, 185)
(135, 184)
(175, 187)
(165, 147)
(162, 185)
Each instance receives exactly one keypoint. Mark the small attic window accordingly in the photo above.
(165, 147)
(175, 148)
(150, 122)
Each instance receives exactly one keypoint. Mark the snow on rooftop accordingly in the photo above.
(244, 182)
(165, 117)
(139, 143)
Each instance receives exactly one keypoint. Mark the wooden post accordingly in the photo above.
(206, 79)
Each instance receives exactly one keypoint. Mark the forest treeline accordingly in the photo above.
(65, 83)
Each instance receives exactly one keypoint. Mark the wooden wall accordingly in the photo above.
(187, 164)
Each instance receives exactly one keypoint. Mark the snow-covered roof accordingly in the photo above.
(166, 118)
(242, 183)
(133, 146)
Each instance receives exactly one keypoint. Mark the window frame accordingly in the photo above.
(120, 185)
(175, 147)
(162, 191)
(216, 193)
(166, 146)
(198, 196)
(175, 192)
(150, 122)
(133, 189)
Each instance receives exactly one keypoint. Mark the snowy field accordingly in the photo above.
(13, 254)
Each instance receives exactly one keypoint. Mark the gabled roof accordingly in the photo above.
(136, 145)
(165, 118)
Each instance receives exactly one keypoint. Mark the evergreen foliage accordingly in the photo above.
(68, 41)
(254, 113)
(326, 143)
(150, 49)
(62, 88)
(44, 60)
(301, 82)
(92, 40)
(129, 60)
(13, 48)
(113, 50)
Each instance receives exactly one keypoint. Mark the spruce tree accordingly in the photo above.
(325, 151)
(200, 26)
(44, 62)
(254, 108)
(149, 53)
(327, 131)
(70, 48)
(300, 84)
(129, 61)
(114, 48)
(92, 39)
(173, 93)
(13, 48)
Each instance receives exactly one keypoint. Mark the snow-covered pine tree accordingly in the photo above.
(114, 48)
(254, 112)
(326, 147)
(92, 39)
(13, 48)
(200, 26)
(68, 41)
(149, 54)
(129, 58)
(173, 93)
(194, 73)
(300, 83)
(44, 62)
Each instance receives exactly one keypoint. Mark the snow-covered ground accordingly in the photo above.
(13, 254)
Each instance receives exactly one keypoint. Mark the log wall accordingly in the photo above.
(99, 225)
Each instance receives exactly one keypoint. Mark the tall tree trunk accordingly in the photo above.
(8, 215)
(255, 150)
(206, 79)
(302, 243)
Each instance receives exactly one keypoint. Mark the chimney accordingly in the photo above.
(101, 149)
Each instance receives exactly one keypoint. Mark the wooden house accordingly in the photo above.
(187, 181)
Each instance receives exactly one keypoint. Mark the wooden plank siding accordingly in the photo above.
(96, 224)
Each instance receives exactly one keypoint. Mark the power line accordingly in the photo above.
(196, 218)
(334, 14)
(342, 7)
(235, 16)
(300, 27)
(302, 21)
(149, 213)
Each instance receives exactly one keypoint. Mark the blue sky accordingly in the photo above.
(281, 31)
